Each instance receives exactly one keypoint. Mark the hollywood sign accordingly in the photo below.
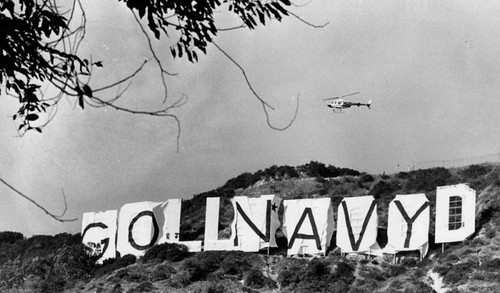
(308, 224)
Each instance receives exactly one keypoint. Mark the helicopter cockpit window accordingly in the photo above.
(455, 215)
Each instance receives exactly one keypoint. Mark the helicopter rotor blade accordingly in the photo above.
(351, 94)
(328, 99)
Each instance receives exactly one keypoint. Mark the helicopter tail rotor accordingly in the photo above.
(369, 104)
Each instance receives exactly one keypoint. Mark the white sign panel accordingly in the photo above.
(256, 221)
(455, 213)
(212, 241)
(308, 225)
(139, 227)
(408, 223)
(357, 224)
(172, 214)
(99, 231)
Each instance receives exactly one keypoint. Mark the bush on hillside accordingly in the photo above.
(366, 178)
(246, 179)
(255, 279)
(491, 265)
(111, 265)
(317, 169)
(10, 237)
(145, 286)
(300, 275)
(161, 272)
(475, 171)
(384, 188)
(167, 251)
(457, 273)
(243, 180)
(216, 265)
(427, 180)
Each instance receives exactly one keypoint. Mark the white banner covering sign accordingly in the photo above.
(172, 214)
(140, 226)
(455, 213)
(212, 241)
(408, 223)
(256, 221)
(99, 228)
(357, 224)
(308, 224)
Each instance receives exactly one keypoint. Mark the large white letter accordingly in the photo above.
(256, 221)
(171, 228)
(357, 225)
(212, 241)
(408, 224)
(455, 213)
(100, 229)
(308, 225)
(140, 226)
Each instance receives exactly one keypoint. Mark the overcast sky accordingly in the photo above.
(431, 68)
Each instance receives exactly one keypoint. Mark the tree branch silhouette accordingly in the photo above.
(57, 218)
(41, 39)
(265, 105)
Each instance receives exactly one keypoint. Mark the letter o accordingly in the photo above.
(155, 233)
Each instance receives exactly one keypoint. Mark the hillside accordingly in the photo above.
(58, 263)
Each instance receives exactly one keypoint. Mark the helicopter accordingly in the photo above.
(339, 103)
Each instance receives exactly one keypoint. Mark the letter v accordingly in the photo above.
(355, 244)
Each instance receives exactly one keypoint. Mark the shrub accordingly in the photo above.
(216, 264)
(421, 287)
(478, 275)
(491, 265)
(402, 175)
(452, 258)
(162, 272)
(474, 171)
(201, 265)
(237, 264)
(459, 273)
(145, 286)
(442, 269)
(428, 179)
(256, 279)
(317, 169)
(490, 232)
(222, 286)
(300, 275)
(111, 265)
(242, 181)
(10, 237)
(135, 277)
(365, 178)
(167, 251)
(396, 270)
(409, 262)
(384, 188)
(180, 280)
